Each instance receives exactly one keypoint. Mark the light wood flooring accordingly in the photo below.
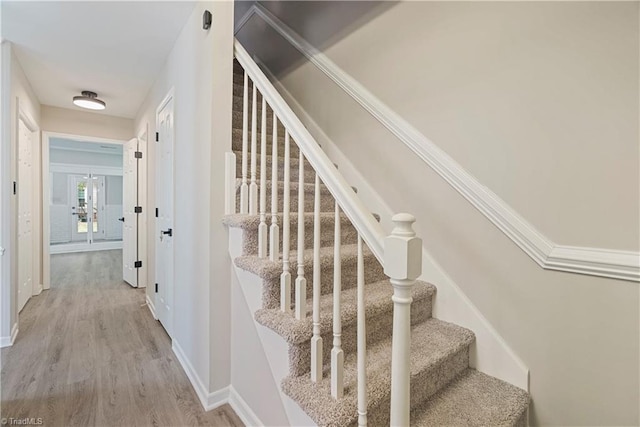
(89, 353)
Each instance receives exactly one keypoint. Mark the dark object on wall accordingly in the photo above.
(206, 20)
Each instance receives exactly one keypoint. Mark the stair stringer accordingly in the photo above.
(276, 349)
(490, 353)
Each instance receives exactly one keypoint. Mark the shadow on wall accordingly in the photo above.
(321, 23)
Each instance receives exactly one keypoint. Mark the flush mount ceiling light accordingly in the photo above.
(89, 100)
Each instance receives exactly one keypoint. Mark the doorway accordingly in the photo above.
(83, 198)
(85, 204)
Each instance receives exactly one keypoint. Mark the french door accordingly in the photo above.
(87, 208)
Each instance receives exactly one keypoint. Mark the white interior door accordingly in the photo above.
(130, 217)
(164, 220)
(25, 215)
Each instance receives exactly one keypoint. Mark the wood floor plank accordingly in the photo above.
(89, 353)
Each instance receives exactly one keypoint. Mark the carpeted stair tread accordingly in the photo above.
(434, 344)
(249, 224)
(237, 135)
(238, 101)
(327, 203)
(270, 271)
(474, 399)
(236, 143)
(237, 122)
(309, 173)
(377, 299)
(267, 269)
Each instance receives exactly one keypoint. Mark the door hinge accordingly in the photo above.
(137, 264)
(138, 154)
(156, 288)
(137, 209)
(156, 212)
(157, 136)
(15, 188)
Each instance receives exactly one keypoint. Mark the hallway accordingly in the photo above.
(89, 353)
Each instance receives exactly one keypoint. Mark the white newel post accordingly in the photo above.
(403, 264)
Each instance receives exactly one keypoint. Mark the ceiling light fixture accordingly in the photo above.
(89, 100)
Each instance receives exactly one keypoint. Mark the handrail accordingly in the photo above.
(363, 221)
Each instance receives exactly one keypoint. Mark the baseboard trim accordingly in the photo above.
(615, 264)
(208, 400)
(8, 341)
(152, 308)
(242, 409)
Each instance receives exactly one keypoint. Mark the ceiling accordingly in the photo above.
(93, 147)
(113, 48)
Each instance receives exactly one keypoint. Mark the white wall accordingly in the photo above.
(74, 122)
(539, 102)
(15, 86)
(198, 67)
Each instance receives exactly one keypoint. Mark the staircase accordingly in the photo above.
(347, 378)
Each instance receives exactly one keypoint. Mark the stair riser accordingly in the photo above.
(327, 203)
(424, 385)
(348, 234)
(237, 122)
(373, 272)
(237, 136)
(309, 174)
(238, 105)
(236, 144)
(379, 327)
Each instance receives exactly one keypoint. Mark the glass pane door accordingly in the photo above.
(81, 214)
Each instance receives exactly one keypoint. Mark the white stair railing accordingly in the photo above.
(400, 253)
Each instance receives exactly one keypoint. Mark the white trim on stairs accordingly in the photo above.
(8, 341)
(616, 264)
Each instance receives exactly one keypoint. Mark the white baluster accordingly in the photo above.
(262, 228)
(230, 183)
(244, 188)
(285, 277)
(301, 282)
(253, 186)
(337, 355)
(403, 264)
(274, 231)
(316, 340)
(362, 342)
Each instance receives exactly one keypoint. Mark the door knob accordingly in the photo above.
(121, 219)
(168, 232)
